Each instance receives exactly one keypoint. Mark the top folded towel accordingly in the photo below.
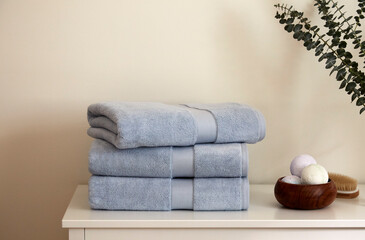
(148, 124)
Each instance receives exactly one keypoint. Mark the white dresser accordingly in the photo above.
(265, 219)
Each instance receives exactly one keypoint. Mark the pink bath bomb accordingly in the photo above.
(299, 163)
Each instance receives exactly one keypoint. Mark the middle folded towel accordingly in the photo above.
(201, 161)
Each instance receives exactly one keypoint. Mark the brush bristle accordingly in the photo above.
(342, 182)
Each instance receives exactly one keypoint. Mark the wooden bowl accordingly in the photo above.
(306, 197)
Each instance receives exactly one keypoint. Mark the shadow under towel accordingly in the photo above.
(201, 160)
(147, 124)
(163, 194)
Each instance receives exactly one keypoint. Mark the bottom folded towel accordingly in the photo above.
(156, 194)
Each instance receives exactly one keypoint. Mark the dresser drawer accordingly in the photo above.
(222, 234)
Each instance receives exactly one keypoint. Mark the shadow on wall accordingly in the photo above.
(255, 51)
(263, 64)
(42, 164)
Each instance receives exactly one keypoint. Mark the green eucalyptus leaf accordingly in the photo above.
(290, 20)
(307, 36)
(354, 64)
(331, 32)
(304, 20)
(337, 34)
(342, 44)
(296, 35)
(323, 56)
(297, 27)
(341, 52)
(348, 55)
(350, 86)
(320, 48)
(343, 84)
(353, 97)
(360, 101)
(347, 61)
(341, 74)
(334, 69)
(349, 77)
(330, 62)
(335, 41)
(289, 27)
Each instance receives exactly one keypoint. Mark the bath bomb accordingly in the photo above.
(299, 163)
(314, 174)
(292, 179)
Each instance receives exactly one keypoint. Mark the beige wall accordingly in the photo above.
(57, 57)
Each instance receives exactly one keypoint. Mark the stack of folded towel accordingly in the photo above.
(154, 156)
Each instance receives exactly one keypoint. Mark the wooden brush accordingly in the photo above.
(346, 186)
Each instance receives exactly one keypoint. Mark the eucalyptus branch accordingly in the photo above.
(320, 37)
(337, 35)
(360, 11)
(331, 48)
(351, 32)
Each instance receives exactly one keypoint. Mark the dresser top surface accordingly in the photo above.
(264, 212)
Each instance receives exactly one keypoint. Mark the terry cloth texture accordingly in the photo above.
(201, 160)
(200, 194)
(147, 124)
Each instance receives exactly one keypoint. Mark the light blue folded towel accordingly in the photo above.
(201, 160)
(147, 124)
(162, 194)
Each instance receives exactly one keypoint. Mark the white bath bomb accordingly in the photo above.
(292, 179)
(314, 174)
(299, 163)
